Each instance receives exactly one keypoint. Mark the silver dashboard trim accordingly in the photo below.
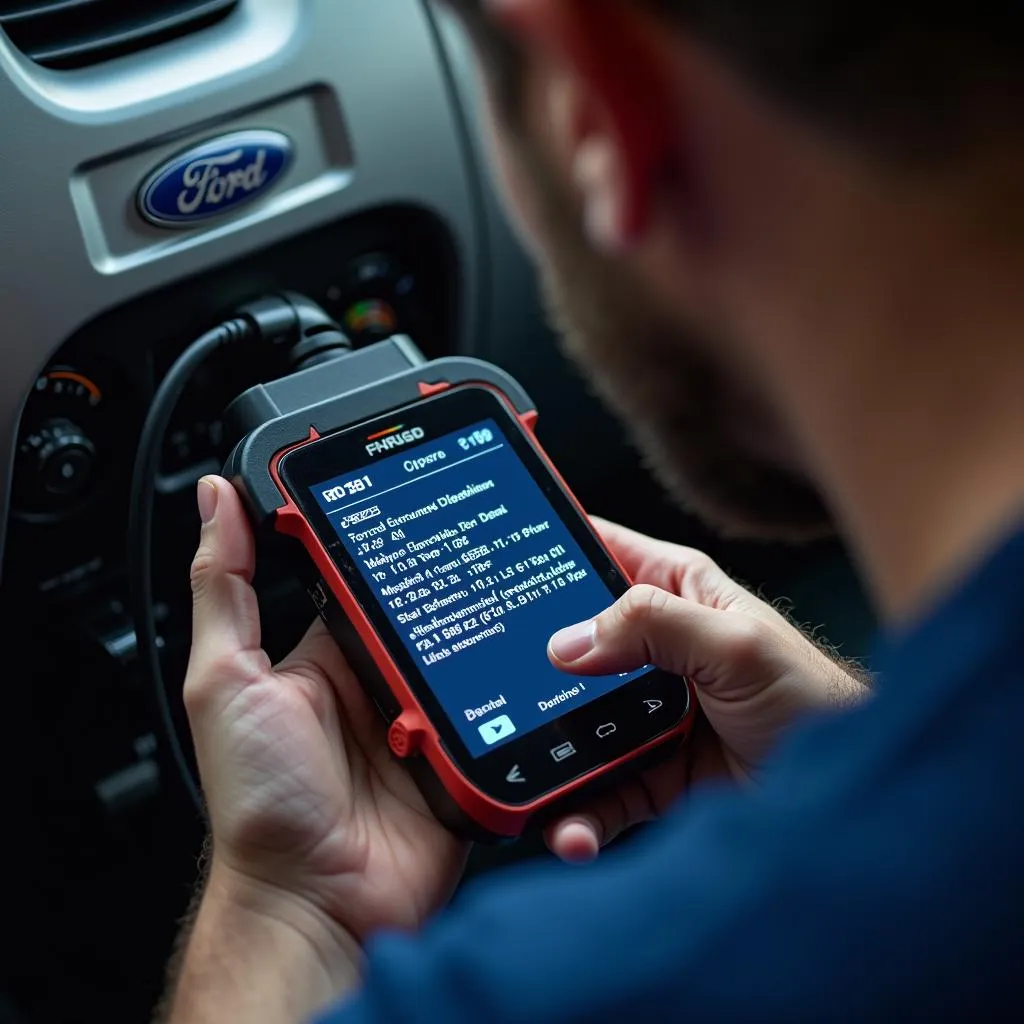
(259, 31)
(379, 59)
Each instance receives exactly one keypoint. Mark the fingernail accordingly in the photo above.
(206, 498)
(573, 643)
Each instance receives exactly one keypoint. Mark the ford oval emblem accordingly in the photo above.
(214, 177)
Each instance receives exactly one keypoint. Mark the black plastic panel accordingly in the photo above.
(344, 406)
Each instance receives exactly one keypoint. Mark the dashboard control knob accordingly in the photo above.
(64, 459)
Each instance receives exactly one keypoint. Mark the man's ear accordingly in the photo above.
(612, 104)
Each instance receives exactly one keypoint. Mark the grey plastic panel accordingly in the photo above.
(377, 60)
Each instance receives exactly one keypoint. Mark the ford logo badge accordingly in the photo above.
(214, 177)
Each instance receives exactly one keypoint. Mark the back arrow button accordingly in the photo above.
(515, 775)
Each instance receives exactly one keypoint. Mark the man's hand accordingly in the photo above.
(319, 836)
(304, 798)
(755, 674)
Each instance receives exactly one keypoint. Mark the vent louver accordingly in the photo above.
(76, 33)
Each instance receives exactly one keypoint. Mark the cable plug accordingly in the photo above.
(301, 330)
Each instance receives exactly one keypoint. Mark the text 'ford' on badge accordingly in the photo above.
(214, 177)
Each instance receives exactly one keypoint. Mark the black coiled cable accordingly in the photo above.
(140, 521)
(303, 335)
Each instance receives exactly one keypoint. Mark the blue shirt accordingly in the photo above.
(878, 872)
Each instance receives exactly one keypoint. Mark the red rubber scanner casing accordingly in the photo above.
(411, 736)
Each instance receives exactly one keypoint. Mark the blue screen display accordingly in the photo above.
(474, 569)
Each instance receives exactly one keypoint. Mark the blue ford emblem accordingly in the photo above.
(214, 177)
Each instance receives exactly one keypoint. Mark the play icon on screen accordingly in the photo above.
(496, 729)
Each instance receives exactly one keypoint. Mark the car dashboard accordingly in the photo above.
(376, 204)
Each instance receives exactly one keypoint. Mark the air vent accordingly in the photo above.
(76, 33)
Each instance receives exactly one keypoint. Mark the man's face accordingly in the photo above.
(706, 433)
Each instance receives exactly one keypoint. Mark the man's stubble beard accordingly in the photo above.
(688, 415)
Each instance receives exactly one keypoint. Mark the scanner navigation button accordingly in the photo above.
(496, 729)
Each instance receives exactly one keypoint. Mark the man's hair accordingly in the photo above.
(907, 77)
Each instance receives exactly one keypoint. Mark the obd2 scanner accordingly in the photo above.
(442, 549)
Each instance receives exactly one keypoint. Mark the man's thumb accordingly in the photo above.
(225, 614)
(647, 626)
